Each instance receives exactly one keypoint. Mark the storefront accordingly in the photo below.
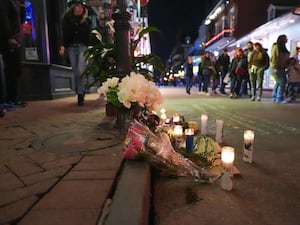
(46, 75)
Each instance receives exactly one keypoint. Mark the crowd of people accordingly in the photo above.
(244, 73)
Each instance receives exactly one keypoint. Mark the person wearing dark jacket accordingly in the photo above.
(223, 63)
(189, 74)
(76, 29)
(238, 70)
(11, 39)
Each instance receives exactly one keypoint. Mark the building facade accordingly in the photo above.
(232, 23)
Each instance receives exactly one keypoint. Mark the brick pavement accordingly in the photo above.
(61, 187)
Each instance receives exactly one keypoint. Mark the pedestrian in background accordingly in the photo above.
(200, 79)
(11, 40)
(206, 66)
(189, 74)
(238, 70)
(258, 63)
(246, 80)
(223, 63)
(76, 28)
(279, 64)
(293, 79)
(215, 77)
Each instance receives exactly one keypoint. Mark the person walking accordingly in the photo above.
(238, 70)
(11, 40)
(223, 63)
(189, 74)
(279, 64)
(76, 29)
(258, 63)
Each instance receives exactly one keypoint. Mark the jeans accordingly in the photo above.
(280, 84)
(78, 64)
(235, 82)
(205, 82)
(256, 80)
(222, 84)
(189, 83)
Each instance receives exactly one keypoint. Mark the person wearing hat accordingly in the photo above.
(76, 28)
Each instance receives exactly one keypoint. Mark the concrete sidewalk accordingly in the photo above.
(62, 164)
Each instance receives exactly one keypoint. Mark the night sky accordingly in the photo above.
(175, 19)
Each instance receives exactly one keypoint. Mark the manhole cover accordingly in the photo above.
(76, 141)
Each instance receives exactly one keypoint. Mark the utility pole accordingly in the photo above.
(122, 18)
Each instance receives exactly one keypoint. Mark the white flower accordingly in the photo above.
(133, 88)
(109, 83)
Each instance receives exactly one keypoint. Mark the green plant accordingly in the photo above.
(102, 58)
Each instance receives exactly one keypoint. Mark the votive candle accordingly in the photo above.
(176, 118)
(248, 146)
(178, 130)
(204, 119)
(189, 139)
(227, 157)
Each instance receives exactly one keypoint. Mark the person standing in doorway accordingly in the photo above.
(76, 29)
(11, 40)
(279, 65)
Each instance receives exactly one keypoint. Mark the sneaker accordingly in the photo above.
(284, 102)
(230, 95)
(252, 99)
(258, 99)
(200, 93)
(207, 94)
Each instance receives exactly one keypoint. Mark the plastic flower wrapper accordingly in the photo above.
(157, 149)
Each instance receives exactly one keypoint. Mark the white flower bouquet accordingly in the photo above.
(131, 91)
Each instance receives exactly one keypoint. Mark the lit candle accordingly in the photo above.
(189, 139)
(176, 118)
(178, 136)
(219, 131)
(227, 157)
(204, 119)
(163, 111)
(163, 118)
(178, 130)
(248, 146)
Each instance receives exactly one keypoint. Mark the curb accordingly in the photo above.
(131, 201)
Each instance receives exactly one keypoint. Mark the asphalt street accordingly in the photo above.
(265, 192)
